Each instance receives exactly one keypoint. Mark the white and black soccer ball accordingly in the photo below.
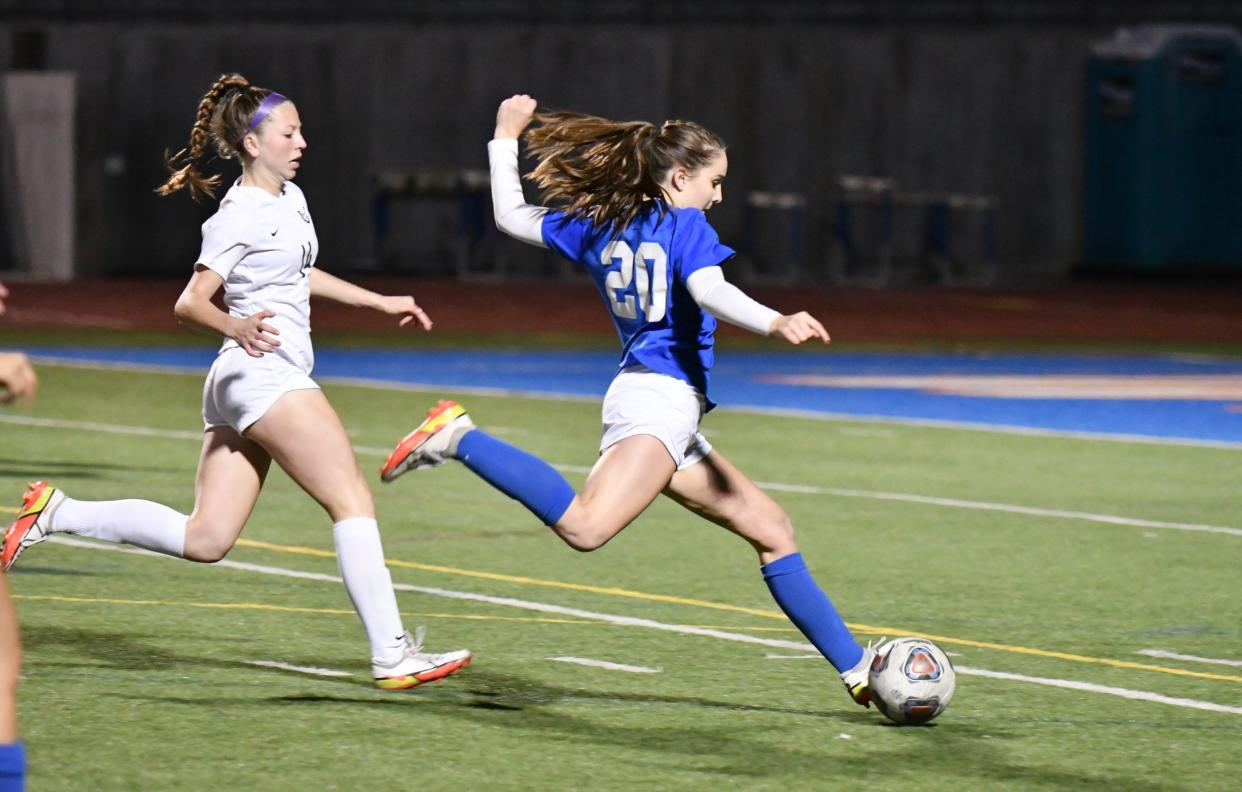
(912, 680)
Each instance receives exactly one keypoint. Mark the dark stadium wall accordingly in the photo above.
(995, 110)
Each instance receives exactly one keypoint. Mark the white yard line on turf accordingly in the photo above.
(104, 428)
(586, 661)
(954, 503)
(971, 426)
(1161, 653)
(326, 672)
(683, 629)
(928, 423)
(1139, 695)
(803, 489)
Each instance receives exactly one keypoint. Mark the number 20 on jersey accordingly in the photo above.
(640, 282)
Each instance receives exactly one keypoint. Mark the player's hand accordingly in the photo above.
(254, 335)
(4, 292)
(513, 116)
(17, 378)
(799, 327)
(406, 308)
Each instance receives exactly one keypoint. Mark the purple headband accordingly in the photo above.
(269, 103)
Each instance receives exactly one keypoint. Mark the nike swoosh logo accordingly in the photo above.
(274, 232)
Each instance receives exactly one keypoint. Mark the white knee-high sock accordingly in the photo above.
(361, 558)
(145, 524)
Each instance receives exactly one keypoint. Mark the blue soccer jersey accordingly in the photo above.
(641, 273)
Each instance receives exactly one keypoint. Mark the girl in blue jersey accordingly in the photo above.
(631, 200)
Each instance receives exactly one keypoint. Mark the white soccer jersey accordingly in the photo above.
(264, 246)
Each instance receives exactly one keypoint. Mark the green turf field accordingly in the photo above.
(139, 670)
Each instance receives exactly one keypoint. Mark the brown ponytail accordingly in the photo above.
(223, 118)
(605, 171)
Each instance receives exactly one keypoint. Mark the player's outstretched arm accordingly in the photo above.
(329, 287)
(17, 378)
(798, 327)
(723, 300)
(514, 216)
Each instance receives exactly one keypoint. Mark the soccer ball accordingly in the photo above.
(912, 680)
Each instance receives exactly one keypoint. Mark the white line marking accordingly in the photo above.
(327, 672)
(1191, 658)
(586, 661)
(93, 426)
(771, 656)
(955, 503)
(1202, 387)
(353, 382)
(803, 489)
(1138, 695)
(970, 426)
(629, 621)
(924, 423)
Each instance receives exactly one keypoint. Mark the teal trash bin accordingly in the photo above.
(1164, 150)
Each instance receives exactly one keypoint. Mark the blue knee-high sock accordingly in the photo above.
(12, 767)
(809, 608)
(524, 477)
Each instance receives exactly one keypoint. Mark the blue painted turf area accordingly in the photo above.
(745, 380)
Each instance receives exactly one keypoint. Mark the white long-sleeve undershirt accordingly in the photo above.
(524, 222)
(514, 216)
(727, 302)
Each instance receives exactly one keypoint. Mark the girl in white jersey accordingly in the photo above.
(259, 401)
(632, 213)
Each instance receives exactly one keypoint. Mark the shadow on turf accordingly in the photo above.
(963, 750)
(56, 470)
(26, 569)
(523, 705)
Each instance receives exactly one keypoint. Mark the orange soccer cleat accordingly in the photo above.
(428, 445)
(33, 523)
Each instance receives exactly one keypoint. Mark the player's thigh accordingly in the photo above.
(713, 488)
(306, 438)
(10, 665)
(231, 471)
(10, 640)
(625, 480)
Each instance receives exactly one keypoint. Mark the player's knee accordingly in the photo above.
(771, 530)
(353, 500)
(207, 553)
(206, 544)
(584, 541)
(583, 533)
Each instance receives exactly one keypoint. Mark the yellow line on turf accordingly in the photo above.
(527, 581)
(212, 605)
(9, 509)
(765, 613)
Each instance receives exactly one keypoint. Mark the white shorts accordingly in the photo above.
(644, 402)
(240, 389)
